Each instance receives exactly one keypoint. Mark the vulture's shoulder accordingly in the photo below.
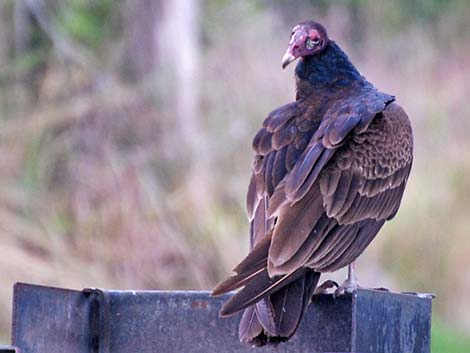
(286, 125)
(278, 145)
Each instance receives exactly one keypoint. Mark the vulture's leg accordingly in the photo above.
(350, 284)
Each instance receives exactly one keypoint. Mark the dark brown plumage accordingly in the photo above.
(329, 170)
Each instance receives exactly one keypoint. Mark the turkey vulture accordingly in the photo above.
(329, 170)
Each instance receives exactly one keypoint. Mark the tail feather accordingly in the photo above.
(257, 255)
(288, 307)
(237, 281)
(250, 267)
(250, 326)
(265, 312)
(257, 288)
(280, 313)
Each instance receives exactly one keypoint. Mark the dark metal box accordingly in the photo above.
(57, 320)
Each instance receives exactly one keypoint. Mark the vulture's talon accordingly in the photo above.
(325, 286)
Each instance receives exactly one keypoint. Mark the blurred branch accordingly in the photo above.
(23, 26)
(184, 56)
(65, 47)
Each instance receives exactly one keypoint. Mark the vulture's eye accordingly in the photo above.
(312, 43)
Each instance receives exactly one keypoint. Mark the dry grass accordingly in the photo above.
(98, 189)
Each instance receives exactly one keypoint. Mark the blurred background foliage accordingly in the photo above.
(125, 132)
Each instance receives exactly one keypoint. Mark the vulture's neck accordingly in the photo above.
(330, 70)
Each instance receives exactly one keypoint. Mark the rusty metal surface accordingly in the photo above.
(54, 320)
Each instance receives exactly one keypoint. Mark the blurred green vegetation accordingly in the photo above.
(446, 339)
(125, 131)
(86, 21)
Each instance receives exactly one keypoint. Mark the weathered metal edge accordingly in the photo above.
(99, 338)
(8, 349)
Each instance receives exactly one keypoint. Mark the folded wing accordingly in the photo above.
(319, 193)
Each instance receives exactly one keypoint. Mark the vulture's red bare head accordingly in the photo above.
(307, 38)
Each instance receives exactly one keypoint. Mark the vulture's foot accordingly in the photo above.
(350, 285)
(325, 286)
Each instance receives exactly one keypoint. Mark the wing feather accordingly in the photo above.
(310, 245)
(292, 155)
(365, 235)
(279, 167)
(293, 226)
(268, 173)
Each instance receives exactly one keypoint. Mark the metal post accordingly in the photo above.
(56, 320)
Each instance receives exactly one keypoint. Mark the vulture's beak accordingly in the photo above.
(287, 58)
